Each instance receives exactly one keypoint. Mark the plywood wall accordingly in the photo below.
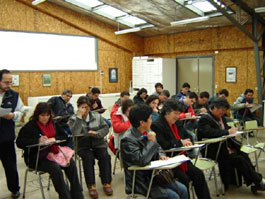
(113, 51)
(234, 49)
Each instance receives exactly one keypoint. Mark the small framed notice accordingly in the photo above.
(230, 74)
(46, 80)
(113, 75)
(15, 80)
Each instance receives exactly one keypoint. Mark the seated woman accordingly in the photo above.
(153, 102)
(137, 149)
(171, 134)
(139, 98)
(92, 145)
(120, 121)
(213, 125)
(41, 129)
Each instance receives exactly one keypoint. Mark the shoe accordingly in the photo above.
(15, 195)
(260, 187)
(92, 191)
(107, 189)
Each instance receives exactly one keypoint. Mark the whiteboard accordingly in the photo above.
(27, 51)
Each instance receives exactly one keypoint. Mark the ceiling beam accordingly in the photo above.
(233, 20)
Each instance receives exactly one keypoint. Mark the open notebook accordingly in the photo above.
(174, 160)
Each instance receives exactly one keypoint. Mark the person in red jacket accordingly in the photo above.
(123, 96)
(120, 121)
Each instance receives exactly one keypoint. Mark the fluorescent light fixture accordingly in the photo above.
(109, 12)
(187, 21)
(36, 2)
(259, 10)
(205, 6)
(127, 31)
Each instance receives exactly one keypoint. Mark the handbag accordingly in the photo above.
(63, 157)
(234, 144)
(165, 177)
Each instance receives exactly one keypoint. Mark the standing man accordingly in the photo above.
(61, 106)
(9, 99)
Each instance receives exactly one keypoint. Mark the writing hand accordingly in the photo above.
(163, 157)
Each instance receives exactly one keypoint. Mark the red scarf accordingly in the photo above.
(174, 130)
(49, 132)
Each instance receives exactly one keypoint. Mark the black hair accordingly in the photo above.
(67, 91)
(219, 103)
(186, 84)
(83, 100)
(248, 91)
(95, 90)
(123, 93)
(224, 91)
(141, 91)
(159, 85)
(2, 72)
(140, 112)
(126, 104)
(42, 107)
(166, 93)
(151, 98)
(204, 94)
(192, 95)
(171, 105)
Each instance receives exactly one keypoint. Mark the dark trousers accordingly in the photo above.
(58, 181)
(197, 177)
(9, 162)
(104, 162)
(242, 163)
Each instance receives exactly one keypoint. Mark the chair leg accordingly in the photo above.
(256, 159)
(115, 162)
(25, 182)
(49, 183)
(41, 187)
(215, 182)
(80, 171)
(237, 180)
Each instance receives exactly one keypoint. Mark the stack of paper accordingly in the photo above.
(234, 134)
(174, 160)
(188, 147)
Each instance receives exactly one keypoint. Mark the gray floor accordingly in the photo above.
(33, 191)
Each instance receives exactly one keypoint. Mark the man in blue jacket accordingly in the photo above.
(9, 99)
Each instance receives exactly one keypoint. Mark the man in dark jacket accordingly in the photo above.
(171, 134)
(9, 99)
(139, 149)
(213, 125)
(63, 109)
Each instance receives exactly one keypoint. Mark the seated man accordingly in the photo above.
(163, 96)
(184, 90)
(137, 149)
(242, 104)
(140, 97)
(171, 134)
(213, 125)
(61, 106)
(159, 88)
(201, 105)
(124, 95)
(92, 146)
(223, 93)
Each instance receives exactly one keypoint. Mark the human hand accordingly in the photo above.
(232, 130)
(203, 110)
(95, 105)
(43, 139)
(187, 115)
(163, 157)
(92, 133)
(81, 111)
(151, 136)
(186, 142)
(155, 109)
(9, 116)
(51, 140)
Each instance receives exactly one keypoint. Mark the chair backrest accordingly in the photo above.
(231, 124)
(251, 124)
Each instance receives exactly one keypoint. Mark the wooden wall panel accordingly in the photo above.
(113, 51)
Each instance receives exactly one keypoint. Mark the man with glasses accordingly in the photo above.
(9, 99)
(62, 110)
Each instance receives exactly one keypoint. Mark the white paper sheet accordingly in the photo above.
(174, 160)
(4, 111)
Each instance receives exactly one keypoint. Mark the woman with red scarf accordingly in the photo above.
(171, 134)
(41, 129)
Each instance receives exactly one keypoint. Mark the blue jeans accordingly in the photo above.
(173, 190)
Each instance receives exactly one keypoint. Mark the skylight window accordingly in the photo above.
(87, 4)
(109, 12)
(131, 21)
(205, 6)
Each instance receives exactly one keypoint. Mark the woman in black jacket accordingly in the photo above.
(171, 134)
(40, 129)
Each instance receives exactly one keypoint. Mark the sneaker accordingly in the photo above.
(92, 191)
(107, 189)
(15, 195)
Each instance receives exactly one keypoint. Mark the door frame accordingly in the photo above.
(201, 56)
